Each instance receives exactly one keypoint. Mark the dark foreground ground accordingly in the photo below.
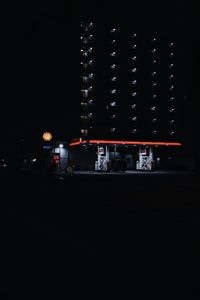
(94, 236)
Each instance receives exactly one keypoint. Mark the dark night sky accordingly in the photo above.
(40, 67)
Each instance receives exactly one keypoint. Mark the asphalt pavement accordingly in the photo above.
(91, 235)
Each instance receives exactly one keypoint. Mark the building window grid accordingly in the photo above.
(134, 82)
(153, 106)
(113, 92)
(172, 108)
(154, 85)
(87, 52)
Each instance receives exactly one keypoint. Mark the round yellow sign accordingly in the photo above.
(47, 136)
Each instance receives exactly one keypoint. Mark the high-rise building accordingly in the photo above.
(130, 94)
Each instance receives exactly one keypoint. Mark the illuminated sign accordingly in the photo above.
(101, 150)
(143, 151)
(47, 136)
(56, 158)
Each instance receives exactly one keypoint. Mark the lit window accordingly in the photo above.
(171, 110)
(171, 133)
(90, 88)
(171, 44)
(154, 120)
(113, 30)
(91, 76)
(154, 132)
(134, 70)
(154, 96)
(134, 46)
(134, 58)
(134, 94)
(91, 36)
(90, 101)
(85, 53)
(113, 104)
(154, 61)
(153, 108)
(113, 41)
(171, 87)
(113, 53)
(85, 93)
(113, 66)
(154, 84)
(133, 106)
(113, 129)
(90, 115)
(134, 130)
(114, 91)
(84, 131)
(114, 78)
(83, 117)
(153, 51)
(171, 76)
(88, 64)
(171, 54)
(153, 73)
(134, 35)
(134, 118)
(154, 40)
(113, 116)
(171, 98)
(85, 79)
(85, 65)
(172, 121)
(171, 66)
(134, 82)
(83, 104)
(90, 49)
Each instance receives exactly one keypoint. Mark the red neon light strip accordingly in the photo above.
(77, 143)
(126, 143)
(74, 143)
(134, 143)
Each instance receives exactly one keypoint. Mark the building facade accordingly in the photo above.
(130, 94)
(129, 84)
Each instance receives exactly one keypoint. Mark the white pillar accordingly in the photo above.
(151, 153)
(107, 153)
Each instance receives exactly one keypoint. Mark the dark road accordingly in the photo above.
(100, 234)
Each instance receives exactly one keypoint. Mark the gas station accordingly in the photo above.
(102, 154)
